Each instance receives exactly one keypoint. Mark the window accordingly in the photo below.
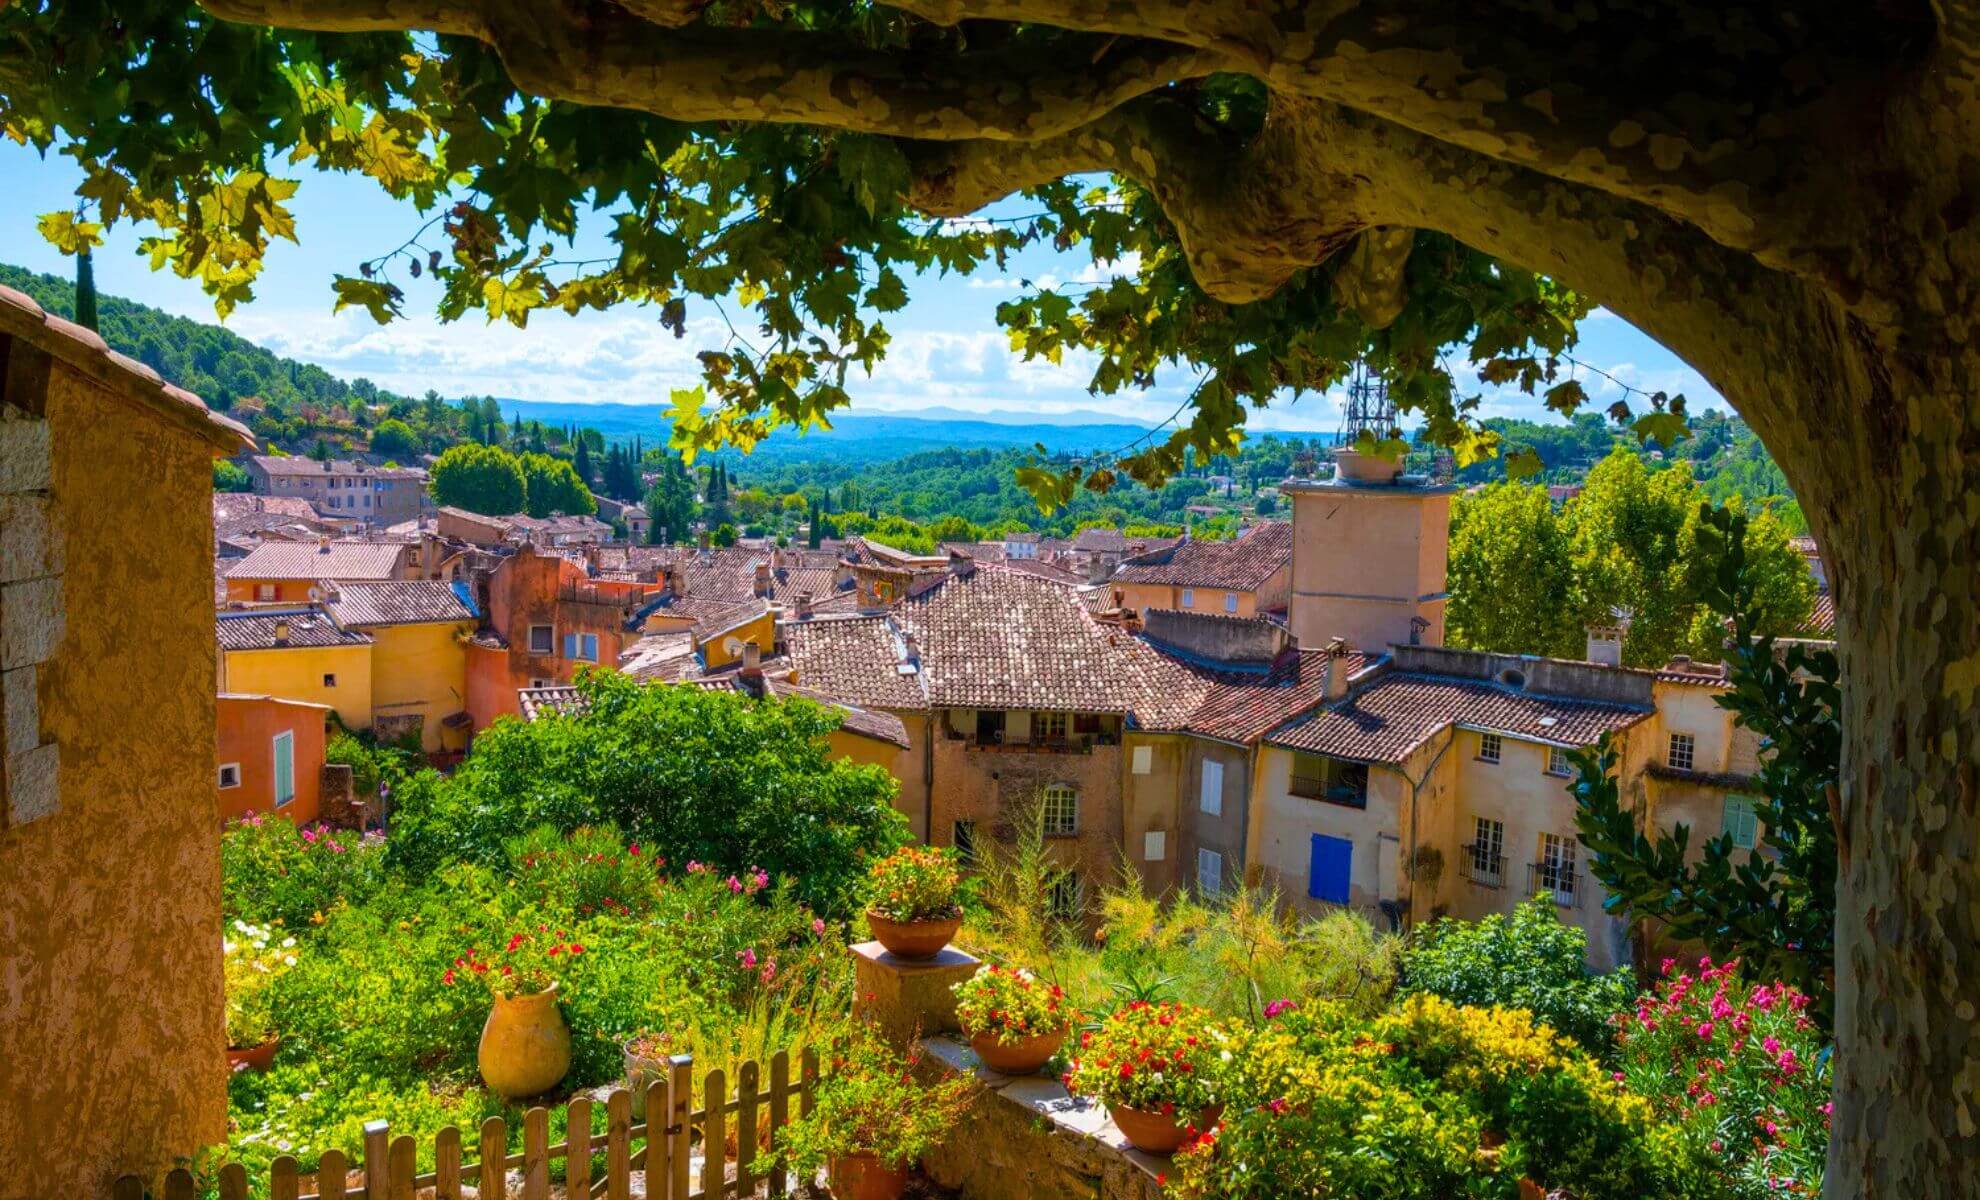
(329, 679)
(230, 775)
(1557, 761)
(285, 767)
(1490, 747)
(1329, 779)
(264, 591)
(581, 646)
(964, 839)
(1189, 598)
(1155, 845)
(1061, 811)
(1683, 752)
(1741, 823)
(1209, 873)
(1485, 858)
(1211, 794)
(542, 639)
(1048, 727)
(1067, 898)
(1555, 871)
(1144, 759)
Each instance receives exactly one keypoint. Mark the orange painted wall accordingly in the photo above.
(287, 591)
(247, 729)
(491, 690)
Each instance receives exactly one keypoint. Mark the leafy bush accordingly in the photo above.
(1430, 1099)
(253, 957)
(1740, 1068)
(1010, 1005)
(717, 778)
(914, 883)
(1531, 960)
(1165, 1058)
(869, 1102)
(273, 872)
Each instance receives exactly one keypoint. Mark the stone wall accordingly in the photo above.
(111, 1056)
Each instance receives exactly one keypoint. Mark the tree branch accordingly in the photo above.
(610, 57)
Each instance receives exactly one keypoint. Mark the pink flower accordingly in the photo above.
(1705, 1030)
(748, 957)
(735, 885)
(1771, 1044)
(1278, 1006)
(818, 926)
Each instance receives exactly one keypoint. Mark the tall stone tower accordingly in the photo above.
(1368, 557)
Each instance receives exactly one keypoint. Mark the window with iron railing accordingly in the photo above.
(1484, 860)
(1315, 777)
(1555, 873)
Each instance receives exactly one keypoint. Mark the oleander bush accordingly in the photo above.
(273, 872)
(1741, 1068)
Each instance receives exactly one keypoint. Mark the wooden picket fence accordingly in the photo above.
(594, 1166)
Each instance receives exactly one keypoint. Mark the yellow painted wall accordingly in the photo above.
(1365, 561)
(1145, 596)
(761, 629)
(421, 669)
(296, 673)
(110, 1007)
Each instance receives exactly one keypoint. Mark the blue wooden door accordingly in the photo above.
(1332, 862)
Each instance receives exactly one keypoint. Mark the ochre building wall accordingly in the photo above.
(247, 729)
(110, 1008)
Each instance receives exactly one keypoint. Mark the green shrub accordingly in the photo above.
(1431, 1099)
(1531, 960)
(689, 774)
(273, 872)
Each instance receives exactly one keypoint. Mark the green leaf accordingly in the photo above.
(1524, 464)
(377, 296)
(1666, 428)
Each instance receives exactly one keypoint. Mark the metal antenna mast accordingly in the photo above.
(1369, 408)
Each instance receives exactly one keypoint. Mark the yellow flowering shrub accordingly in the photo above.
(253, 957)
(1430, 1099)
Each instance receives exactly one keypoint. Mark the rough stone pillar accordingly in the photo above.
(903, 998)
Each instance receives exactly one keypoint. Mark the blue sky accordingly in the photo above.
(947, 351)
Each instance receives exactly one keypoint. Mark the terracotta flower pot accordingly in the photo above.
(1356, 467)
(1022, 1057)
(913, 940)
(253, 1058)
(1157, 1133)
(865, 1177)
(525, 1046)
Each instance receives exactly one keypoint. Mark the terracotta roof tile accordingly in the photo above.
(398, 602)
(313, 560)
(1243, 706)
(255, 629)
(86, 351)
(1390, 716)
(853, 658)
(1822, 620)
(1241, 564)
(296, 464)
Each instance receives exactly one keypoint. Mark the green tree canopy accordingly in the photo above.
(551, 485)
(1510, 579)
(670, 502)
(697, 775)
(479, 478)
(395, 438)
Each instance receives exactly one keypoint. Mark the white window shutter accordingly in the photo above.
(1144, 759)
(1209, 872)
(1211, 795)
(1154, 845)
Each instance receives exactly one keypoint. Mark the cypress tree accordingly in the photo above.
(85, 290)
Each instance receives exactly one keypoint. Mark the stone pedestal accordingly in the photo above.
(903, 998)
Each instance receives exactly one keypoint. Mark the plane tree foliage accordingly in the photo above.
(1783, 193)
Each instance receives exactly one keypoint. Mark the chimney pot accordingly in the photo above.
(763, 579)
(323, 544)
(752, 658)
(1334, 681)
(803, 606)
(281, 633)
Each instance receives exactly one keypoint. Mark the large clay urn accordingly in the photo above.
(525, 1046)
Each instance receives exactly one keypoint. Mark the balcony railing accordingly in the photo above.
(1482, 866)
(1307, 787)
(1079, 743)
(1560, 880)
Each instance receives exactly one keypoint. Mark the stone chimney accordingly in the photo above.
(323, 544)
(281, 633)
(1334, 683)
(752, 660)
(802, 608)
(763, 579)
(1605, 645)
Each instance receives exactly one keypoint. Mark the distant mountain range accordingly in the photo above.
(860, 437)
(222, 366)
